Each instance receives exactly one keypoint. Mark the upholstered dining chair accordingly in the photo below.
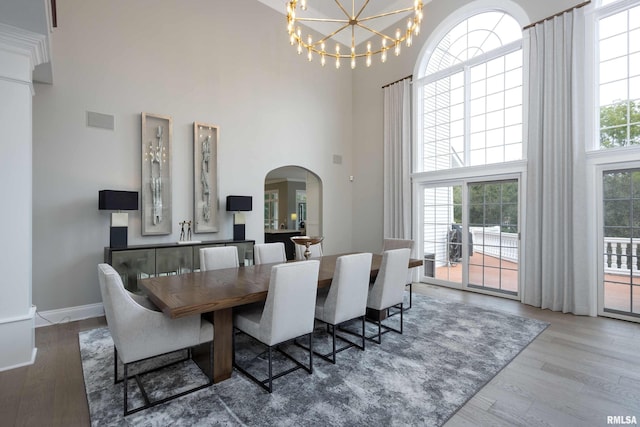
(287, 314)
(346, 299)
(388, 289)
(316, 251)
(391, 243)
(140, 333)
(268, 253)
(217, 257)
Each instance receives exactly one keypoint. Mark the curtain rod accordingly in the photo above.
(557, 14)
(410, 76)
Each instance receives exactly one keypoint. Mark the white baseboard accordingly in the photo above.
(34, 352)
(70, 314)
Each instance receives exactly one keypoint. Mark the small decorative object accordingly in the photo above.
(205, 178)
(307, 241)
(157, 132)
(185, 236)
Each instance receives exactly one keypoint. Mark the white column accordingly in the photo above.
(20, 52)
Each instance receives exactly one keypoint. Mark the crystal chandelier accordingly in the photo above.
(359, 23)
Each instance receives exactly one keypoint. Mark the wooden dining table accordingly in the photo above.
(214, 293)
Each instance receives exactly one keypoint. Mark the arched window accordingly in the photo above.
(470, 92)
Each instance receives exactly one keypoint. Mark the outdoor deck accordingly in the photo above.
(617, 288)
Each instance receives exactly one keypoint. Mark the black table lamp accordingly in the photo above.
(239, 204)
(114, 200)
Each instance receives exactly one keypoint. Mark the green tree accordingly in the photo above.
(620, 124)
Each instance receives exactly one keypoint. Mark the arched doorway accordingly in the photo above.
(292, 204)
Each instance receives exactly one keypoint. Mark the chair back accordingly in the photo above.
(118, 305)
(218, 257)
(316, 251)
(391, 243)
(290, 305)
(268, 253)
(388, 289)
(347, 297)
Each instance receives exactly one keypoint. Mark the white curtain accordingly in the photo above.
(397, 160)
(556, 234)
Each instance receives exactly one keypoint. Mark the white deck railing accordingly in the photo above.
(620, 256)
(490, 241)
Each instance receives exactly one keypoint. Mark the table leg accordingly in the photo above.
(222, 344)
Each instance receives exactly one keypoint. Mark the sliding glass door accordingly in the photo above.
(470, 235)
(620, 285)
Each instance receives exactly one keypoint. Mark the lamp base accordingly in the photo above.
(118, 237)
(238, 232)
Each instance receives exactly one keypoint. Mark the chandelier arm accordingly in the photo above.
(353, 38)
(361, 9)
(381, 15)
(341, 21)
(325, 38)
(378, 33)
(343, 9)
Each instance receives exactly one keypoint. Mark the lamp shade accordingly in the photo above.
(239, 203)
(115, 200)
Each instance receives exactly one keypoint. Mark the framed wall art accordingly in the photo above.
(205, 177)
(157, 132)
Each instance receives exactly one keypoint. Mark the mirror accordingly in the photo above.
(292, 205)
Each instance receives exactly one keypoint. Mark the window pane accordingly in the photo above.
(613, 25)
(613, 69)
(613, 47)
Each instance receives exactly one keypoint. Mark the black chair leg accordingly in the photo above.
(270, 371)
(311, 351)
(126, 380)
(115, 365)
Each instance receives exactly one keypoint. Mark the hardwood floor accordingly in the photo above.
(576, 373)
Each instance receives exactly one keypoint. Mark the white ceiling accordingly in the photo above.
(329, 9)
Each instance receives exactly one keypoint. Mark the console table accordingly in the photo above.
(166, 259)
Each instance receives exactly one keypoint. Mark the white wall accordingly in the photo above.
(223, 63)
(367, 115)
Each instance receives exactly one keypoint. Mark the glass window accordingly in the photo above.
(619, 76)
(472, 110)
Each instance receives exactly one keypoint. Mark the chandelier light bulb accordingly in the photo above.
(322, 59)
(337, 63)
(398, 33)
(383, 56)
(353, 62)
(397, 49)
(368, 62)
(299, 47)
(303, 4)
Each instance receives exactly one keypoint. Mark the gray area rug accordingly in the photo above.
(447, 353)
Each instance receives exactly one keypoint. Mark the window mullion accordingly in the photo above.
(467, 115)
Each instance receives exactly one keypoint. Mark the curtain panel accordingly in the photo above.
(556, 241)
(397, 160)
